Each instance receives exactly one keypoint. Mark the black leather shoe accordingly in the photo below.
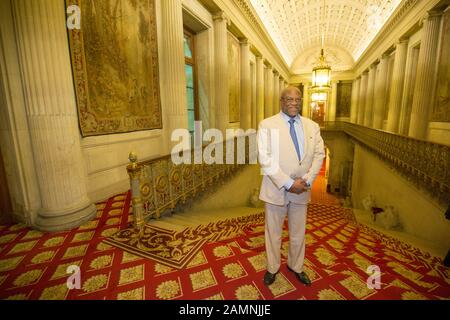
(302, 277)
(269, 278)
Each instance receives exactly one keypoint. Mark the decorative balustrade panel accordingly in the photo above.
(159, 185)
(425, 164)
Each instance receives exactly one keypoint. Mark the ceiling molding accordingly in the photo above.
(405, 20)
(298, 25)
(244, 22)
(390, 25)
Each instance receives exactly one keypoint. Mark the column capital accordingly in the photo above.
(221, 16)
(276, 73)
(402, 40)
(430, 15)
(385, 56)
(434, 14)
(244, 41)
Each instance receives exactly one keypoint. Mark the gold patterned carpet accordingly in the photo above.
(222, 260)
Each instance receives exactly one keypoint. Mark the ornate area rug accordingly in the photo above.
(176, 249)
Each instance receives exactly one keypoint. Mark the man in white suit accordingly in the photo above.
(291, 152)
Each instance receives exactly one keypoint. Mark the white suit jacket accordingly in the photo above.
(279, 160)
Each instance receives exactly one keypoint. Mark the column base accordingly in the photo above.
(66, 221)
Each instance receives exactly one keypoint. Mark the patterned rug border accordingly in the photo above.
(216, 231)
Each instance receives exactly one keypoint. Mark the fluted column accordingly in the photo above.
(280, 86)
(305, 108)
(425, 76)
(405, 113)
(51, 112)
(276, 93)
(398, 77)
(268, 90)
(173, 85)
(246, 92)
(221, 71)
(332, 112)
(259, 90)
(355, 100)
(368, 112)
(362, 98)
(380, 92)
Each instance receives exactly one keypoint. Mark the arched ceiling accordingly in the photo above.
(296, 27)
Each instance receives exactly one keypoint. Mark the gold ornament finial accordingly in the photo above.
(133, 159)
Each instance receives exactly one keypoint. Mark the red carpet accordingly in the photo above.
(33, 265)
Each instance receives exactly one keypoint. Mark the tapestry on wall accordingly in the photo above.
(441, 112)
(344, 96)
(234, 76)
(115, 66)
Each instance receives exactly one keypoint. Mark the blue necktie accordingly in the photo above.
(294, 137)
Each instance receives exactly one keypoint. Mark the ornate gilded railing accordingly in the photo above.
(423, 163)
(158, 184)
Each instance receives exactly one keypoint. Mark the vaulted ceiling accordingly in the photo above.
(348, 26)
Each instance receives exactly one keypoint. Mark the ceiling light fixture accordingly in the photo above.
(321, 74)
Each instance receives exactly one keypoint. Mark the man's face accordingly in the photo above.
(291, 103)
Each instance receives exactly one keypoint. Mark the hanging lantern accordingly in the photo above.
(321, 75)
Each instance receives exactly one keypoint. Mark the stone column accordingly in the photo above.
(268, 90)
(332, 112)
(276, 93)
(355, 100)
(51, 113)
(368, 113)
(426, 70)
(362, 98)
(380, 92)
(281, 85)
(259, 90)
(173, 86)
(246, 90)
(398, 77)
(221, 71)
(305, 108)
(410, 76)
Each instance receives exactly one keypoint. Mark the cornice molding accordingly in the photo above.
(394, 23)
(391, 24)
(245, 8)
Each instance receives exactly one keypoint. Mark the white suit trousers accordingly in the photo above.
(275, 216)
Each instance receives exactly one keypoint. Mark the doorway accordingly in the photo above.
(318, 112)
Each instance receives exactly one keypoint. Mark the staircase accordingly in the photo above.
(226, 199)
(182, 220)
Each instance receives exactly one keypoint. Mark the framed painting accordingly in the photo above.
(115, 66)
(343, 99)
(441, 110)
